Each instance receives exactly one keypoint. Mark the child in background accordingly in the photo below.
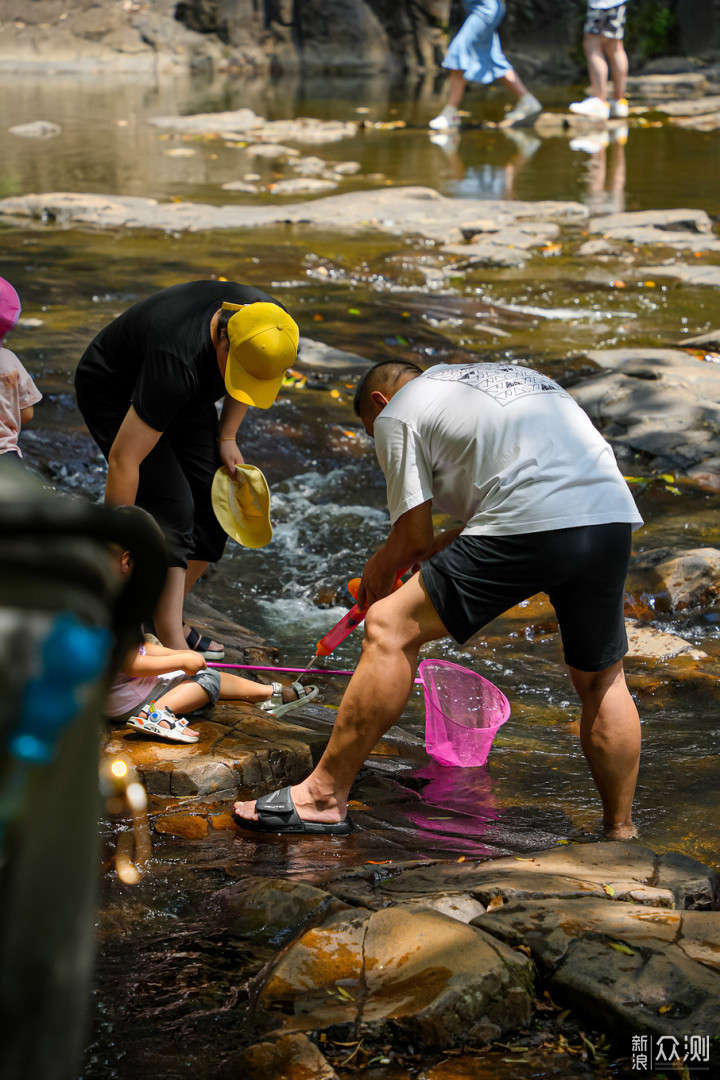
(475, 55)
(157, 683)
(18, 393)
(604, 31)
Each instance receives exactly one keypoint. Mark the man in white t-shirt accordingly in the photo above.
(509, 453)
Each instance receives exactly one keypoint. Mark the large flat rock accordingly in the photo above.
(662, 402)
(420, 210)
(636, 970)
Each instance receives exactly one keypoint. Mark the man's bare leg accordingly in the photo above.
(610, 739)
(376, 696)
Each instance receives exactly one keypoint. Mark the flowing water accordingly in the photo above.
(377, 297)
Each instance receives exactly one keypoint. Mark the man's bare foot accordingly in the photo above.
(620, 832)
(211, 650)
(329, 811)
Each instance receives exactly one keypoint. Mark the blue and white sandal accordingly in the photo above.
(277, 706)
(164, 724)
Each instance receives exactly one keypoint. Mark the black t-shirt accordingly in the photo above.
(158, 355)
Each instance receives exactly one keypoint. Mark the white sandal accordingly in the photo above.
(163, 723)
(277, 706)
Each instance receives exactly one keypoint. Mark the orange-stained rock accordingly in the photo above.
(223, 820)
(290, 1057)
(402, 974)
(188, 825)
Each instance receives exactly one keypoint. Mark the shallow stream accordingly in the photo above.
(377, 297)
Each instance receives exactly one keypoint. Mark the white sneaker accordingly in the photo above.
(449, 118)
(619, 109)
(590, 144)
(527, 107)
(592, 107)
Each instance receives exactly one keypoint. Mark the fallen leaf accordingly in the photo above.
(496, 902)
(619, 947)
(609, 890)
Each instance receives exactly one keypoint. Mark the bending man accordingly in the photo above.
(509, 453)
(147, 388)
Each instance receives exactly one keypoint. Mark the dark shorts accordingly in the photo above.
(583, 571)
(176, 476)
(609, 23)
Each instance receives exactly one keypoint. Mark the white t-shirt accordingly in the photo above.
(501, 448)
(604, 5)
(17, 392)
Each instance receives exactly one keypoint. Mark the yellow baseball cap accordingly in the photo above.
(242, 506)
(263, 345)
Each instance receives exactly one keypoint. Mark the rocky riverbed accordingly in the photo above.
(472, 925)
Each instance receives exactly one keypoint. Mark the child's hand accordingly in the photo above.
(191, 662)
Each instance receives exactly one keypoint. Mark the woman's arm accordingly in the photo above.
(132, 444)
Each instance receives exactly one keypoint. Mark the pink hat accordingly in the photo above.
(9, 308)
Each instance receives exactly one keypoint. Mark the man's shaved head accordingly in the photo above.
(384, 377)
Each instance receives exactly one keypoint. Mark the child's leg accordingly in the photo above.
(186, 697)
(595, 45)
(618, 61)
(235, 688)
(456, 88)
(514, 83)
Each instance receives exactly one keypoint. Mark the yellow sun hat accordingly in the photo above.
(263, 345)
(242, 506)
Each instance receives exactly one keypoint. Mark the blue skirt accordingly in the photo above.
(475, 50)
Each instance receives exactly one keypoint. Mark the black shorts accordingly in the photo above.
(175, 478)
(583, 571)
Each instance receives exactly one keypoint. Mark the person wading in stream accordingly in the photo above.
(508, 452)
(147, 387)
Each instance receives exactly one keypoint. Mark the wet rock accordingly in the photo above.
(241, 185)
(705, 122)
(628, 967)
(687, 580)
(271, 151)
(318, 355)
(695, 107)
(243, 123)
(496, 246)
(659, 87)
(418, 210)
(662, 402)
(273, 909)
(288, 1057)
(648, 644)
(189, 826)
(691, 275)
(709, 341)
(611, 869)
(681, 229)
(406, 975)
(38, 129)
(301, 185)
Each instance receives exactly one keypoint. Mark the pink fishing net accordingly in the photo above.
(463, 712)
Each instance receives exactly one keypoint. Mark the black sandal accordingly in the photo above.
(200, 643)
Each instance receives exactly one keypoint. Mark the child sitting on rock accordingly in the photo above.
(156, 684)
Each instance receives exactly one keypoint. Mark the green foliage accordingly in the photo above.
(652, 27)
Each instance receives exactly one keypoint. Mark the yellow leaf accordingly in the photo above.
(668, 477)
(563, 841)
(496, 902)
(343, 993)
(609, 890)
(619, 947)
(665, 1008)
